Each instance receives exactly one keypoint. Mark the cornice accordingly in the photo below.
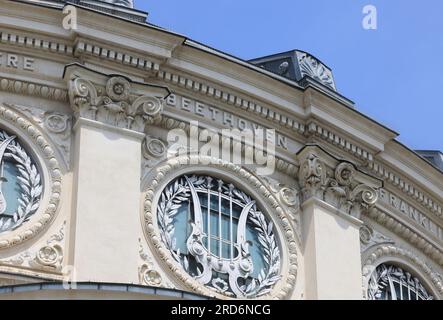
(84, 47)
(35, 42)
(347, 120)
(79, 48)
(408, 189)
(406, 233)
(229, 97)
(331, 137)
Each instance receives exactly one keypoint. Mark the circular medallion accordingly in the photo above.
(56, 123)
(153, 148)
(118, 88)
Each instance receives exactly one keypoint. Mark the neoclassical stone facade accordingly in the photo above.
(137, 163)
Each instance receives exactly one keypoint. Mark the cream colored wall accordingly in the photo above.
(106, 208)
(331, 251)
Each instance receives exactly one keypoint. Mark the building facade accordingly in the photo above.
(138, 163)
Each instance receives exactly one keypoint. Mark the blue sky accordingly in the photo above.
(394, 74)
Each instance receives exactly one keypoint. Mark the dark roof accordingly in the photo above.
(435, 157)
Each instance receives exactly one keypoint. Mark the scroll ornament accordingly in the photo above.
(115, 104)
(338, 187)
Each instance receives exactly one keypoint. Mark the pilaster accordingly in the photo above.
(334, 195)
(112, 114)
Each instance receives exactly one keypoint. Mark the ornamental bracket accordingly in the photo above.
(113, 99)
(336, 182)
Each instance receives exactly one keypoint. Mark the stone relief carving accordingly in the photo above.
(48, 257)
(312, 177)
(387, 252)
(33, 89)
(27, 178)
(162, 173)
(58, 127)
(370, 237)
(288, 196)
(239, 263)
(153, 150)
(393, 283)
(147, 273)
(115, 104)
(336, 184)
(312, 67)
(56, 122)
(52, 185)
(406, 233)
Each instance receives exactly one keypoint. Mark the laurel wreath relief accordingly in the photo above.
(178, 192)
(30, 184)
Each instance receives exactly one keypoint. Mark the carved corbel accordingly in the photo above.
(114, 100)
(338, 183)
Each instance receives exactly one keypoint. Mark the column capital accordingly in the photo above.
(113, 99)
(336, 182)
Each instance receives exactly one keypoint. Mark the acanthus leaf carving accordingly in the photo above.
(289, 197)
(312, 177)
(116, 104)
(370, 237)
(312, 67)
(337, 183)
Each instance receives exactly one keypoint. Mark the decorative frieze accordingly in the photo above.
(406, 233)
(224, 118)
(232, 99)
(33, 89)
(411, 212)
(169, 122)
(15, 61)
(409, 189)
